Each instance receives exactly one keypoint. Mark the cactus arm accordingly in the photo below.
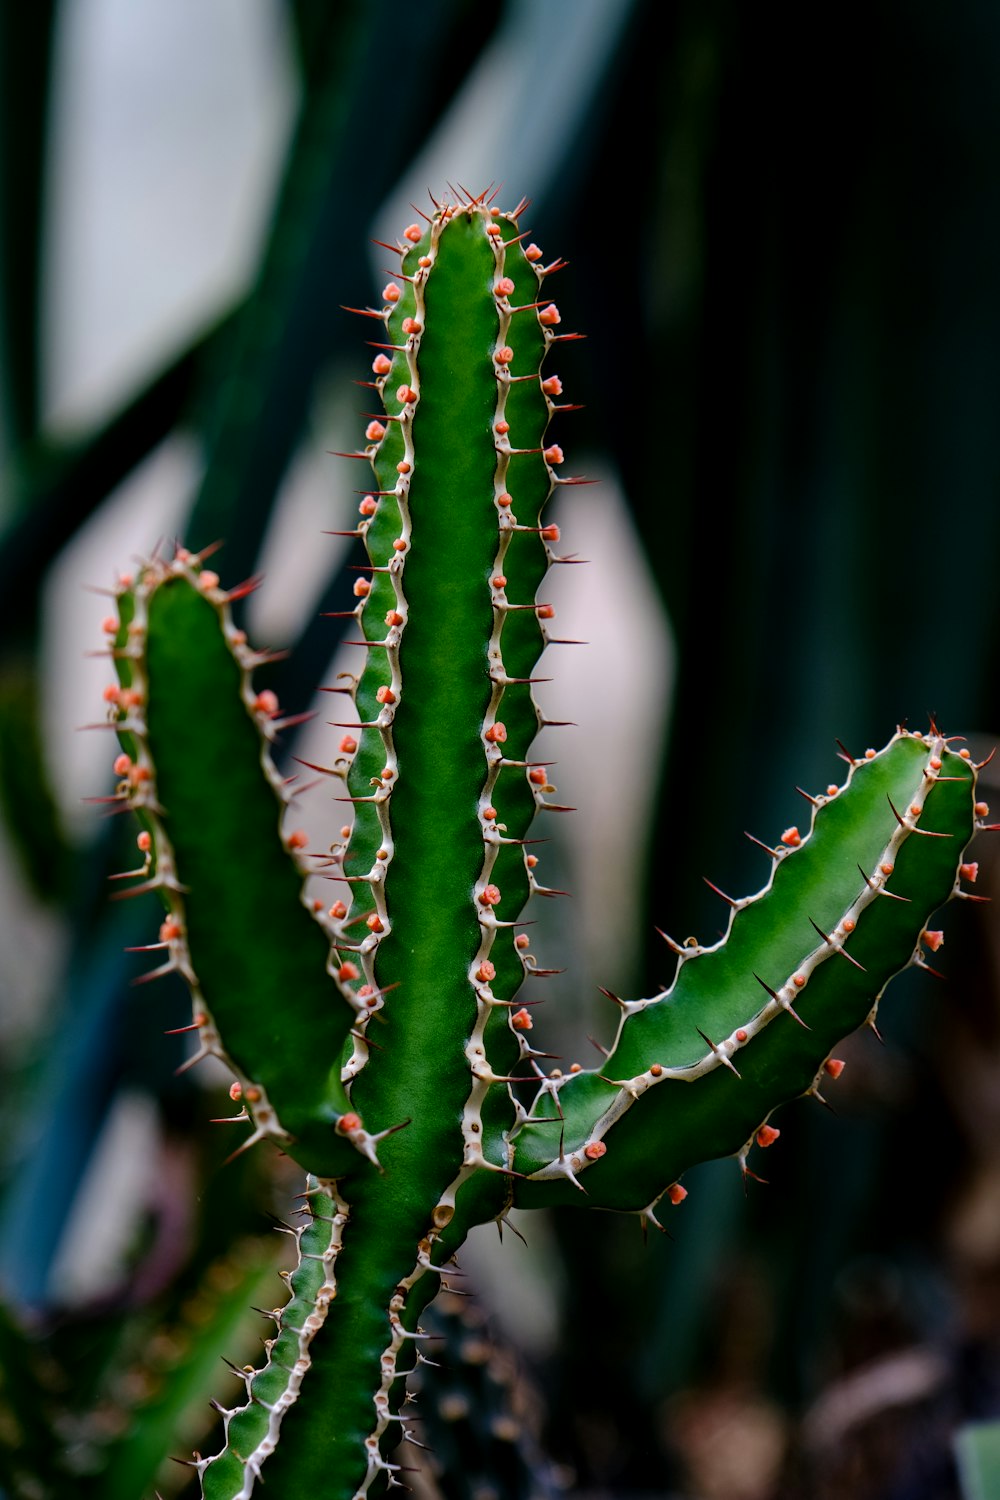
(196, 767)
(749, 1023)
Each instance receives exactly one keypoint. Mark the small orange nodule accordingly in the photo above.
(576, 1068)
(676, 1193)
(381, 364)
(791, 838)
(347, 971)
(385, 695)
(169, 930)
(348, 744)
(109, 625)
(362, 588)
(834, 1066)
(298, 839)
(208, 580)
(656, 1069)
(798, 980)
(832, 789)
(413, 325)
(496, 734)
(374, 923)
(886, 867)
(965, 753)
(848, 924)
(869, 755)
(521, 941)
(494, 230)
(545, 612)
(970, 872)
(368, 506)
(338, 910)
(413, 233)
(406, 393)
(504, 499)
(403, 467)
(537, 776)
(503, 287)
(374, 432)
(236, 1091)
(486, 972)
(489, 895)
(552, 386)
(112, 693)
(391, 292)
(594, 1150)
(550, 533)
(489, 813)
(520, 1020)
(554, 454)
(767, 1135)
(531, 860)
(394, 617)
(502, 428)
(425, 261)
(932, 940)
(504, 355)
(144, 841)
(549, 316)
(532, 252)
(349, 1122)
(399, 545)
(981, 809)
(122, 765)
(935, 762)
(741, 1036)
(266, 703)
(499, 580)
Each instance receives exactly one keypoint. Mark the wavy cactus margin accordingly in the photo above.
(380, 1040)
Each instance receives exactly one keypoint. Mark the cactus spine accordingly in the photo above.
(376, 1042)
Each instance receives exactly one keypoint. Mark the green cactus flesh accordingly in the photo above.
(377, 1043)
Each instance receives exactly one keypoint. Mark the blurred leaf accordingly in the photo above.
(977, 1451)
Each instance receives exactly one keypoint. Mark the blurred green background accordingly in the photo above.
(783, 230)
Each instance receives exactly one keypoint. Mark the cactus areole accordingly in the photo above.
(375, 1040)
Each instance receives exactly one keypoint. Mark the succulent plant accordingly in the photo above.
(382, 1040)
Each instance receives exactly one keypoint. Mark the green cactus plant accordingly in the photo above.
(381, 1041)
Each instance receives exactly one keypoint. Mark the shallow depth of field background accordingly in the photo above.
(783, 235)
